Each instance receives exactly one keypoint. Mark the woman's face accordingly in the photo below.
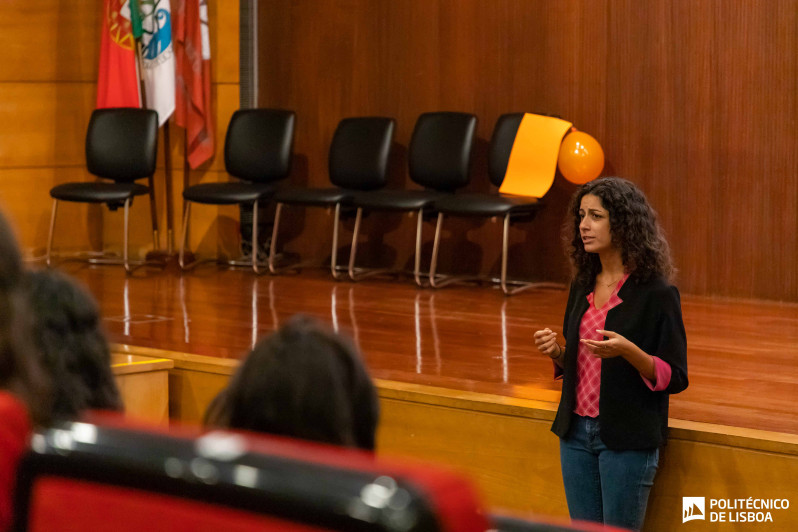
(594, 225)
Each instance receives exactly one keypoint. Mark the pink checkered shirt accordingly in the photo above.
(588, 367)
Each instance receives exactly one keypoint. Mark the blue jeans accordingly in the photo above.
(601, 485)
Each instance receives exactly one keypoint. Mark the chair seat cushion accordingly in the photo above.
(229, 193)
(397, 200)
(475, 204)
(98, 192)
(313, 196)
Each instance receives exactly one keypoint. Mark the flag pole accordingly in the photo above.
(167, 156)
(156, 240)
(188, 256)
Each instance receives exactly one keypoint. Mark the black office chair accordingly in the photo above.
(439, 157)
(358, 161)
(258, 149)
(511, 208)
(121, 147)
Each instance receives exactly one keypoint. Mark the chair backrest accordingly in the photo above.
(100, 475)
(259, 144)
(501, 144)
(440, 150)
(359, 152)
(122, 143)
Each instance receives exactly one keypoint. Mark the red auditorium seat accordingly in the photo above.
(103, 474)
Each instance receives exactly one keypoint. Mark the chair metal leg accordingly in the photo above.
(503, 279)
(255, 264)
(101, 257)
(419, 231)
(154, 213)
(126, 237)
(433, 266)
(273, 244)
(519, 285)
(353, 250)
(181, 254)
(334, 253)
(50, 235)
(356, 274)
(273, 255)
(437, 280)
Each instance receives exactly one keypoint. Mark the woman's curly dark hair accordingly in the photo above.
(20, 370)
(71, 341)
(634, 228)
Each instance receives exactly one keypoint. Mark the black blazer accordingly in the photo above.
(631, 415)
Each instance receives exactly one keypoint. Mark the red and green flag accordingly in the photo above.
(118, 77)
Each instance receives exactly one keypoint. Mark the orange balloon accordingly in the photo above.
(581, 158)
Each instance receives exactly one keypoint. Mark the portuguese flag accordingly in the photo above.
(118, 78)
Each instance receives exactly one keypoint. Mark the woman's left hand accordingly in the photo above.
(616, 345)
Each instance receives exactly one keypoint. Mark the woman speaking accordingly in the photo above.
(625, 352)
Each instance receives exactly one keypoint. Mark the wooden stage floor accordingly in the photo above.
(742, 355)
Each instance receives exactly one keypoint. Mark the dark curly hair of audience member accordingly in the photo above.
(72, 344)
(634, 227)
(303, 381)
(20, 372)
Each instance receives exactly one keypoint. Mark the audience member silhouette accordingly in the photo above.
(24, 389)
(303, 381)
(72, 345)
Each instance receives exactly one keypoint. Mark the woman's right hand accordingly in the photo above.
(546, 342)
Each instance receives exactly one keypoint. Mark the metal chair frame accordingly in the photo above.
(437, 280)
(468, 124)
(357, 161)
(337, 272)
(102, 257)
(239, 130)
(257, 266)
(357, 274)
(501, 144)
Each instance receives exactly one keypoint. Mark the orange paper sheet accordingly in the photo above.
(533, 159)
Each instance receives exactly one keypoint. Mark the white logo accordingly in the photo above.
(693, 508)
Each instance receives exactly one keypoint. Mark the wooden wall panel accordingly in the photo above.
(48, 79)
(510, 454)
(25, 199)
(49, 40)
(223, 16)
(696, 102)
(42, 127)
(47, 89)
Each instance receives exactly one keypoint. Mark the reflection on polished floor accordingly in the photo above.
(743, 355)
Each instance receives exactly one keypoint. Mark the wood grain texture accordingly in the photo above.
(48, 79)
(460, 383)
(504, 445)
(223, 22)
(696, 102)
(742, 366)
(49, 40)
(145, 395)
(25, 199)
(514, 459)
(143, 385)
(43, 123)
